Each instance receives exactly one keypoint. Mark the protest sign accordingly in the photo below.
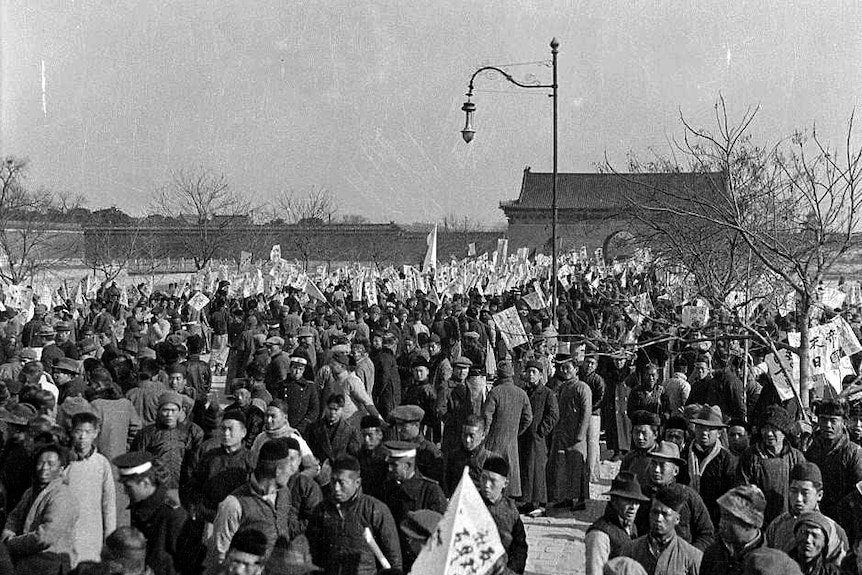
(695, 316)
(509, 323)
(783, 385)
(198, 301)
(465, 541)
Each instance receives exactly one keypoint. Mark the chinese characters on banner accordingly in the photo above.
(511, 328)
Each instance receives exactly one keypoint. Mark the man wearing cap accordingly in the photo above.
(568, 476)
(306, 336)
(421, 392)
(463, 396)
(711, 467)
(300, 395)
(247, 554)
(405, 489)
(839, 459)
(806, 491)
(508, 414)
(32, 327)
(694, 524)
(721, 388)
(513, 536)
(68, 379)
(416, 528)
(597, 387)
(609, 535)
(387, 381)
(345, 383)
(175, 444)
(471, 453)
(740, 540)
(219, 470)
(533, 444)
(662, 551)
(407, 421)
(676, 388)
(198, 373)
(279, 363)
(811, 551)
(644, 437)
(364, 366)
(372, 456)
(337, 529)
(331, 436)
(63, 341)
(158, 516)
(768, 462)
(263, 502)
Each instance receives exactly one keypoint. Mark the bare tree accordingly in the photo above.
(794, 206)
(33, 234)
(315, 205)
(209, 215)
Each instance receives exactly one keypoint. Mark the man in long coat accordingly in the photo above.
(568, 481)
(533, 444)
(508, 414)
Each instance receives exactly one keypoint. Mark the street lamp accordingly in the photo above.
(468, 132)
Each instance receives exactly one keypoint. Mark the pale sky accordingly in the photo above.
(364, 98)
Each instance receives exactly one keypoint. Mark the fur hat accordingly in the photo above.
(746, 502)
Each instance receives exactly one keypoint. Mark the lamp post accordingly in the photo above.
(468, 132)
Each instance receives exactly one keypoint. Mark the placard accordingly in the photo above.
(509, 323)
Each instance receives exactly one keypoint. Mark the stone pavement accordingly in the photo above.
(557, 541)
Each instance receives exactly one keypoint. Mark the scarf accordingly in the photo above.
(695, 467)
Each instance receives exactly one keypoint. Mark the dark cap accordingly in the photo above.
(67, 365)
(777, 417)
(419, 361)
(462, 362)
(832, 407)
(642, 417)
(133, 463)
(274, 450)
(420, 524)
(250, 541)
(672, 495)
(346, 463)
(534, 364)
(626, 484)
(370, 422)
(235, 415)
(807, 471)
(400, 449)
(496, 464)
(407, 414)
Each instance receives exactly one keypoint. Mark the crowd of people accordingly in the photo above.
(345, 427)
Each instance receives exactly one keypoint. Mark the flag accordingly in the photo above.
(431, 255)
(502, 251)
(471, 249)
(275, 253)
(466, 540)
(313, 291)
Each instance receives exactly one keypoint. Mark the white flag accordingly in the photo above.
(466, 541)
(431, 255)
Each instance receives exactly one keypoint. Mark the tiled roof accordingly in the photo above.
(606, 191)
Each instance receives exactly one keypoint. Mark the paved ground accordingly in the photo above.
(556, 541)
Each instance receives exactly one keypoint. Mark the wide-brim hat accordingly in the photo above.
(709, 416)
(667, 451)
(626, 484)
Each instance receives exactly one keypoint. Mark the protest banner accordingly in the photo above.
(695, 316)
(511, 328)
(198, 301)
(466, 540)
